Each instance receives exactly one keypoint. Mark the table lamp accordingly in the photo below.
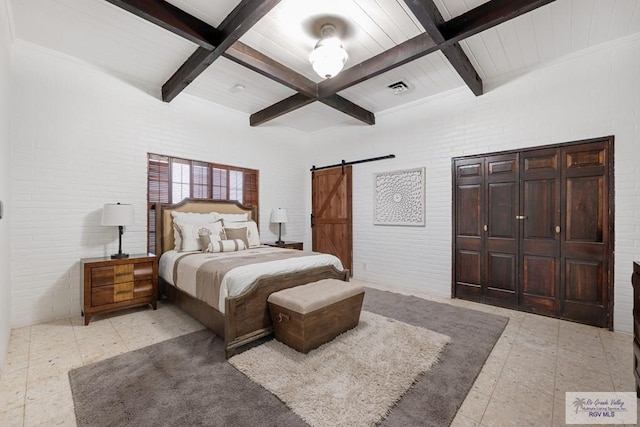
(116, 214)
(279, 216)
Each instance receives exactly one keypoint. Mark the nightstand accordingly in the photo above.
(287, 245)
(114, 284)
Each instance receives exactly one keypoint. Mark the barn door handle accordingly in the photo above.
(313, 220)
(521, 217)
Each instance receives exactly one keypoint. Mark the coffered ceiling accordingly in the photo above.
(252, 55)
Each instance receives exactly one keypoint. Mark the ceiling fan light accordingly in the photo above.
(328, 57)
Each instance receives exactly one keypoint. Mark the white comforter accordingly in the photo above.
(239, 278)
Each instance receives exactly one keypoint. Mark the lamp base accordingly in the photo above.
(279, 242)
(119, 256)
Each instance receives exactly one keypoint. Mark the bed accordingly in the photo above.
(242, 318)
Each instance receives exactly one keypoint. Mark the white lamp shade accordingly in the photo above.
(117, 214)
(279, 215)
(328, 57)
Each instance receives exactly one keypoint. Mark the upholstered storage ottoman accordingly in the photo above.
(307, 316)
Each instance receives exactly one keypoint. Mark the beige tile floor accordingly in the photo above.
(522, 383)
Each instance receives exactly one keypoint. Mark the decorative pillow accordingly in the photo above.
(237, 233)
(206, 236)
(226, 246)
(182, 218)
(233, 217)
(252, 236)
(190, 235)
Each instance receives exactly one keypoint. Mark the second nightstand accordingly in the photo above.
(114, 284)
(287, 245)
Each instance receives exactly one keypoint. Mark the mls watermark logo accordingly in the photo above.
(600, 408)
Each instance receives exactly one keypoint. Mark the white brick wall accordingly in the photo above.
(5, 165)
(591, 94)
(80, 139)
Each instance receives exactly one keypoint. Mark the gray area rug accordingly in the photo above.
(186, 381)
(352, 380)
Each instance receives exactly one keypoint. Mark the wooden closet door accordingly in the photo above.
(548, 243)
(486, 256)
(469, 221)
(501, 235)
(331, 211)
(540, 230)
(586, 235)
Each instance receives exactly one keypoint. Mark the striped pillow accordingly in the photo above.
(226, 246)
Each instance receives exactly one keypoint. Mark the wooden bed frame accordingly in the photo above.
(246, 317)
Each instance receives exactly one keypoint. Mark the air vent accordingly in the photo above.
(398, 87)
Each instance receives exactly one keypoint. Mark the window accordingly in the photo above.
(220, 184)
(235, 185)
(171, 179)
(180, 180)
(201, 181)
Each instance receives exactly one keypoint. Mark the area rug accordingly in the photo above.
(186, 381)
(354, 379)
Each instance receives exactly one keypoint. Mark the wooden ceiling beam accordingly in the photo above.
(460, 62)
(481, 18)
(349, 108)
(285, 106)
(250, 58)
(207, 37)
(299, 100)
(401, 54)
(486, 16)
(214, 42)
(238, 22)
(432, 20)
(262, 64)
(172, 19)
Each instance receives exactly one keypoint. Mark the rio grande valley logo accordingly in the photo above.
(600, 408)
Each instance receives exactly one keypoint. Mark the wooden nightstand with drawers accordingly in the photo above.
(287, 245)
(114, 284)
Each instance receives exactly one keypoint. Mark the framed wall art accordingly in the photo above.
(399, 197)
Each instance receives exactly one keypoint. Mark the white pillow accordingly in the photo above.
(190, 235)
(226, 246)
(181, 218)
(234, 217)
(253, 237)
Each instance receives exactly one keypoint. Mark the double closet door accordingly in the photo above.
(533, 230)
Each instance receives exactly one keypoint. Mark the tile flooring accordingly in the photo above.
(522, 383)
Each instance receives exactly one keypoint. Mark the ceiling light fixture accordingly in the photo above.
(328, 57)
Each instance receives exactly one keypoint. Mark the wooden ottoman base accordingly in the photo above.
(305, 332)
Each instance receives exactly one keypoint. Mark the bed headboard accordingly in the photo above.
(164, 220)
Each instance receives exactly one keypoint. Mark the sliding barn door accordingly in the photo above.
(533, 230)
(331, 213)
